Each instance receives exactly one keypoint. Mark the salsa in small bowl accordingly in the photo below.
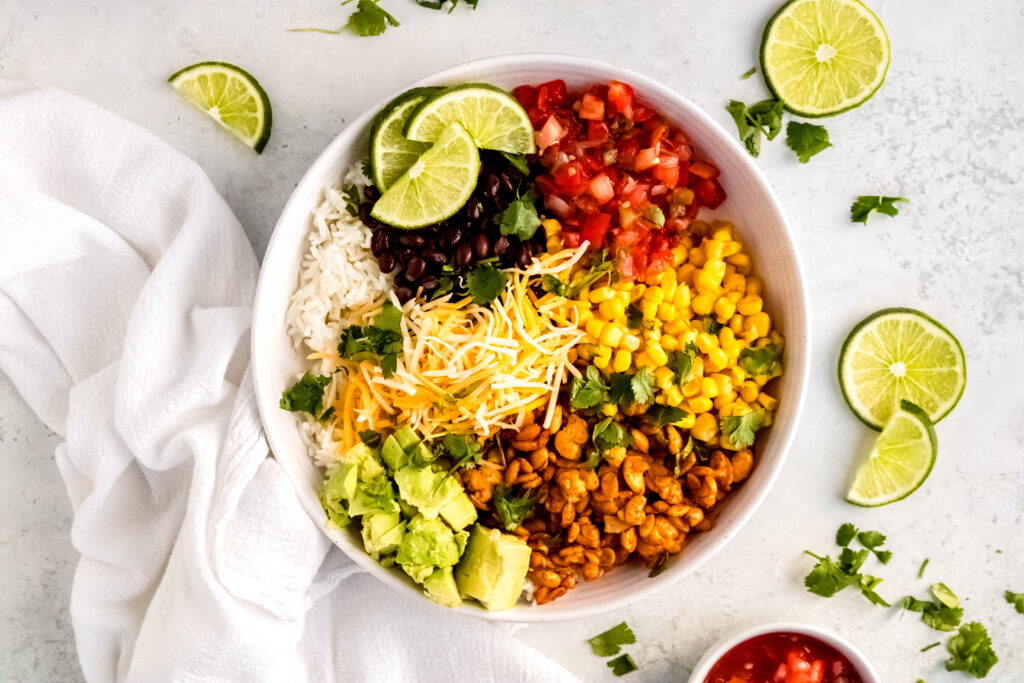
(783, 653)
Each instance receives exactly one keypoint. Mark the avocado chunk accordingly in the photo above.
(366, 459)
(393, 454)
(339, 487)
(440, 587)
(429, 543)
(493, 568)
(377, 495)
(382, 532)
(435, 493)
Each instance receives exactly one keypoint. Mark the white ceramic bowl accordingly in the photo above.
(761, 224)
(845, 647)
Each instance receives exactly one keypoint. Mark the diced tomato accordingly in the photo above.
(704, 170)
(592, 165)
(601, 188)
(595, 228)
(571, 240)
(551, 133)
(591, 108)
(707, 191)
(638, 195)
(551, 94)
(569, 176)
(597, 131)
(587, 205)
(620, 97)
(657, 135)
(526, 96)
(668, 174)
(645, 159)
(641, 113)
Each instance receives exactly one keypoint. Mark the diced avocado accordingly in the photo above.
(493, 568)
(408, 510)
(357, 453)
(458, 511)
(418, 572)
(376, 495)
(367, 460)
(411, 443)
(429, 542)
(382, 532)
(432, 491)
(393, 454)
(338, 488)
(440, 587)
(370, 469)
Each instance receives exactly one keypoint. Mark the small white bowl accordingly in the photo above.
(842, 645)
(751, 204)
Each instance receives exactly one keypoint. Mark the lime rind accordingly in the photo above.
(900, 461)
(788, 38)
(391, 153)
(493, 118)
(436, 186)
(231, 96)
(872, 392)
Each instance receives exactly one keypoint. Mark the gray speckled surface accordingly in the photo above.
(947, 131)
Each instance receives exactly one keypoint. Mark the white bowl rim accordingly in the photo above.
(732, 639)
(641, 83)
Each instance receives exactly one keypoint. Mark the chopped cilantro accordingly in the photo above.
(711, 325)
(920, 572)
(512, 510)
(865, 204)
(872, 540)
(552, 285)
(589, 391)
(763, 118)
(748, 73)
(928, 647)
(634, 317)
(352, 199)
(741, 428)
(761, 362)
(608, 434)
(620, 389)
(445, 285)
(597, 271)
(369, 19)
(806, 139)
(829, 576)
(622, 665)
(520, 218)
(846, 533)
(611, 641)
(486, 283)
(370, 437)
(1015, 599)
(381, 341)
(438, 4)
(662, 415)
(465, 450)
(970, 650)
(935, 615)
(518, 161)
(306, 395)
(680, 361)
(642, 385)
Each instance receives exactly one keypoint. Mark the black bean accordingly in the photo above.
(473, 209)
(386, 261)
(364, 214)
(379, 243)
(429, 282)
(482, 246)
(403, 256)
(524, 255)
(434, 256)
(371, 193)
(403, 293)
(501, 246)
(451, 237)
(413, 240)
(492, 184)
(415, 268)
(464, 255)
(507, 181)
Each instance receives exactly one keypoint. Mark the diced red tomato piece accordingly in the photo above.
(571, 240)
(591, 108)
(668, 175)
(704, 170)
(642, 113)
(595, 228)
(597, 131)
(551, 94)
(569, 176)
(601, 188)
(707, 191)
(638, 195)
(645, 159)
(526, 96)
(620, 97)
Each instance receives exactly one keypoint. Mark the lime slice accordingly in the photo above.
(436, 186)
(231, 96)
(823, 57)
(491, 115)
(899, 462)
(391, 153)
(900, 353)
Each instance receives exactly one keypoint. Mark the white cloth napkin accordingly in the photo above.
(126, 287)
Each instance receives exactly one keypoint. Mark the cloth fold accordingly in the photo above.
(126, 289)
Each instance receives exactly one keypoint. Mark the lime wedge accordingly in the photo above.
(436, 186)
(900, 353)
(899, 462)
(231, 96)
(391, 153)
(823, 57)
(491, 115)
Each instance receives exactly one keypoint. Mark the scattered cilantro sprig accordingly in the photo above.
(520, 218)
(943, 613)
(763, 118)
(970, 650)
(806, 139)
(588, 391)
(306, 395)
(829, 577)
(866, 204)
(611, 641)
(660, 415)
(1015, 599)
(380, 341)
(622, 665)
(740, 429)
(486, 283)
(512, 509)
(763, 361)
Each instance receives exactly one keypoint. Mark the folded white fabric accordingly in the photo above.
(126, 288)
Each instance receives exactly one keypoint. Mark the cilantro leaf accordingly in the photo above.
(1015, 599)
(643, 385)
(438, 4)
(829, 576)
(370, 437)
(520, 218)
(662, 415)
(970, 650)
(512, 509)
(485, 284)
(944, 595)
(306, 395)
(806, 139)
(622, 665)
(465, 450)
(748, 73)
(381, 341)
(761, 362)
(608, 434)
(620, 389)
(634, 317)
(826, 578)
(609, 643)
(552, 285)
(597, 271)
(680, 361)
(518, 161)
(920, 572)
(935, 615)
(845, 534)
(589, 391)
(872, 540)
(741, 428)
(369, 19)
(763, 118)
(445, 285)
(865, 204)
(711, 325)
(352, 200)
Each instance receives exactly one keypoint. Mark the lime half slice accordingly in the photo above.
(230, 96)
(391, 153)
(436, 186)
(900, 461)
(823, 57)
(491, 115)
(896, 354)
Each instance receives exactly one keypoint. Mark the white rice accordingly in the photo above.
(339, 274)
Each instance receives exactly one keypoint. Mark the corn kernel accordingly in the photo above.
(705, 342)
(734, 282)
(603, 352)
(601, 294)
(749, 392)
(652, 335)
(685, 273)
(713, 249)
(721, 230)
(621, 360)
(652, 279)
(678, 256)
(668, 342)
(697, 367)
(692, 388)
(623, 285)
(731, 248)
(673, 396)
(612, 335)
(571, 355)
(749, 305)
(686, 422)
(736, 324)
(612, 309)
(656, 353)
(630, 342)
(664, 377)
(699, 404)
(705, 427)
(696, 257)
(724, 308)
(702, 304)
(716, 269)
(767, 401)
(761, 380)
(754, 286)
(674, 327)
(759, 324)
(724, 400)
(642, 360)
(732, 348)
(716, 360)
(708, 388)
(699, 228)
(681, 297)
(734, 297)
(637, 292)
(667, 312)
(742, 263)
(609, 410)
(655, 295)
(648, 308)
(600, 362)
(595, 326)
(723, 382)
(703, 282)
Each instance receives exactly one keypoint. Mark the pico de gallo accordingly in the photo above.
(783, 658)
(617, 174)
